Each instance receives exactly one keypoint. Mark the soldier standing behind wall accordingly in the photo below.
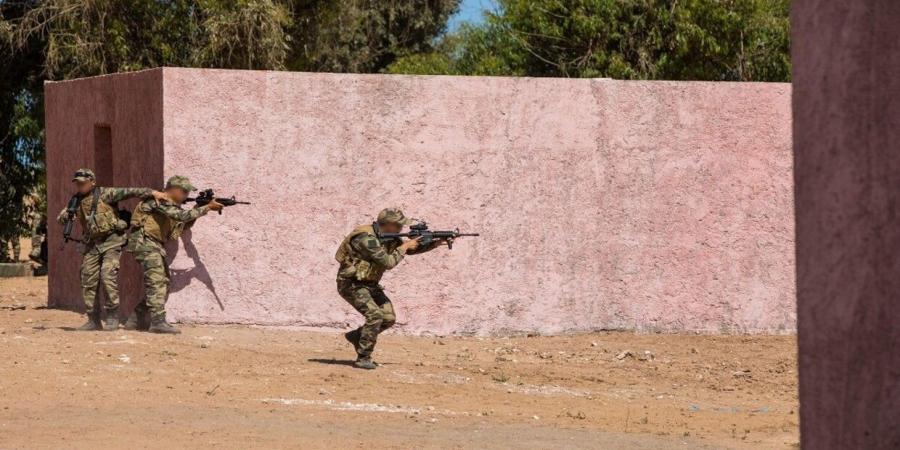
(152, 225)
(38, 220)
(103, 238)
(364, 258)
(38, 238)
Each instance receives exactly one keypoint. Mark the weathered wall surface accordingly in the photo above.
(846, 56)
(131, 106)
(602, 204)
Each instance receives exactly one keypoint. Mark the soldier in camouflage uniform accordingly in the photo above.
(103, 234)
(364, 258)
(4, 251)
(38, 237)
(152, 225)
(38, 220)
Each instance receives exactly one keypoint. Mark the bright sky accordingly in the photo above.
(470, 11)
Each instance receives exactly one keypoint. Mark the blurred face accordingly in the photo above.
(177, 194)
(84, 187)
(390, 227)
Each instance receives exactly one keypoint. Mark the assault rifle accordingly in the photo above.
(207, 195)
(420, 230)
(71, 209)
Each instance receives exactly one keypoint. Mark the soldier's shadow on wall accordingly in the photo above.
(181, 278)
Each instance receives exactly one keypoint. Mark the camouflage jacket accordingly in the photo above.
(365, 258)
(103, 227)
(163, 222)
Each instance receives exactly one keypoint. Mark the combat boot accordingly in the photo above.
(137, 320)
(364, 362)
(132, 323)
(353, 338)
(112, 320)
(159, 325)
(92, 324)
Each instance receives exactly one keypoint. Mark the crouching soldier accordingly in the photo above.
(364, 258)
(103, 238)
(152, 225)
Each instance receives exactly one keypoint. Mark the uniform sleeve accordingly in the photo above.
(112, 195)
(175, 212)
(371, 250)
(424, 248)
(61, 218)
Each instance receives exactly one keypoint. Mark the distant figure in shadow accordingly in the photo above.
(181, 278)
(152, 226)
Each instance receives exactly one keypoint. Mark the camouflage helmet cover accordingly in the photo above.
(84, 175)
(180, 182)
(393, 215)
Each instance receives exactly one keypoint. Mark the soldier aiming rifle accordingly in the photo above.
(365, 254)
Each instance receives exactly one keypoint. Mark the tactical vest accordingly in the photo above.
(156, 226)
(103, 221)
(353, 267)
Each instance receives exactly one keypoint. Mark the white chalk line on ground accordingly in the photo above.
(429, 378)
(121, 342)
(549, 390)
(363, 407)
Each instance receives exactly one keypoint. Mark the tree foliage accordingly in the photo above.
(365, 36)
(91, 37)
(738, 40)
(62, 39)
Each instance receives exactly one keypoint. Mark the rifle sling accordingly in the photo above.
(96, 194)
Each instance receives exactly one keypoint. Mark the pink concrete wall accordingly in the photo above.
(131, 105)
(602, 204)
(846, 56)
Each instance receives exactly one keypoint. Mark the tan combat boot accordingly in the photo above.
(112, 320)
(159, 325)
(137, 320)
(92, 324)
(364, 362)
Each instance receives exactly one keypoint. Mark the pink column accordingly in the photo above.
(846, 57)
(129, 107)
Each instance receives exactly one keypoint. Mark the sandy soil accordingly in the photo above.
(243, 387)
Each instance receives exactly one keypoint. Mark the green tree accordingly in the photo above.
(21, 134)
(364, 36)
(62, 39)
(739, 40)
(91, 37)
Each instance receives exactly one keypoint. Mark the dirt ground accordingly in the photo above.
(244, 387)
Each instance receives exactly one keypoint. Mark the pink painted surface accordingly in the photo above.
(131, 105)
(846, 56)
(602, 204)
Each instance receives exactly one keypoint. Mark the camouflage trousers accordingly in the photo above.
(152, 258)
(36, 241)
(5, 255)
(376, 308)
(100, 264)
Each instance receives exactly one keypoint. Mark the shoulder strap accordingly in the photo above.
(96, 194)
